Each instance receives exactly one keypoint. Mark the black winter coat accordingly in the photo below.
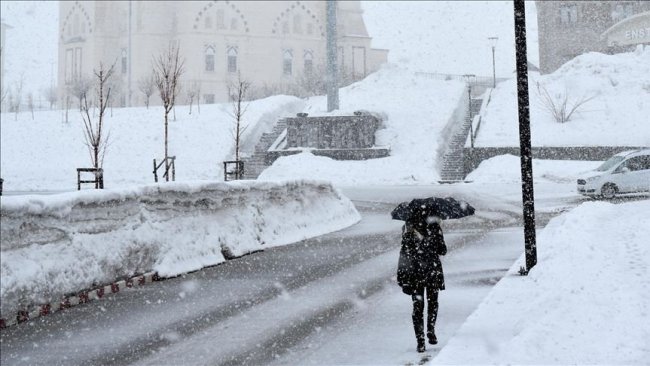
(419, 263)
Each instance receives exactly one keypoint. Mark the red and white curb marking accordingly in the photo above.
(81, 298)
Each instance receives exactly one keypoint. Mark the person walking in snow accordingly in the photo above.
(420, 274)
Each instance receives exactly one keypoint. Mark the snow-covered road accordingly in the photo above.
(328, 300)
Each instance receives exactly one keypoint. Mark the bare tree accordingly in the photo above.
(50, 95)
(3, 91)
(118, 88)
(198, 96)
(3, 95)
(10, 100)
(238, 93)
(17, 96)
(79, 88)
(147, 85)
(30, 103)
(560, 107)
(94, 133)
(168, 68)
(192, 92)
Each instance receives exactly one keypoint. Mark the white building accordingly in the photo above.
(268, 42)
(3, 31)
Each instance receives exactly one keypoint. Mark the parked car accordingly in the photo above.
(625, 172)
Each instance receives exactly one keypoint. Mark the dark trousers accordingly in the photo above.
(418, 313)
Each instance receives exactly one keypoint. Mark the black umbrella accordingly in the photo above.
(421, 209)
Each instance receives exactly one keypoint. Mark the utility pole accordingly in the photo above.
(332, 58)
(528, 198)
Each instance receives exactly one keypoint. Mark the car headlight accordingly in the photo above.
(593, 178)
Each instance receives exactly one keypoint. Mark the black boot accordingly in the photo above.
(421, 347)
(432, 338)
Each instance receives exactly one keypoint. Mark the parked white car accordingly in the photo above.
(625, 172)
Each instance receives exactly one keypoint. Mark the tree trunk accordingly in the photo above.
(166, 137)
(96, 156)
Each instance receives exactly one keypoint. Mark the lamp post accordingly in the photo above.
(523, 106)
(332, 58)
(493, 44)
(470, 79)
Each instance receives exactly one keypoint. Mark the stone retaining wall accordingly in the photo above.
(474, 156)
(332, 132)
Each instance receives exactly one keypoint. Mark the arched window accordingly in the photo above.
(285, 27)
(310, 28)
(568, 14)
(208, 22)
(233, 24)
(83, 27)
(309, 62)
(232, 59)
(221, 19)
(287, 62)
(297, 24)
(209, 59)
(75, 25)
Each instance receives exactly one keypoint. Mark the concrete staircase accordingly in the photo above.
(452, 163)
(256, 163)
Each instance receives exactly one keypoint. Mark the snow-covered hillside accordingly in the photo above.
(43, 154)
(416, 111)
(618, 114)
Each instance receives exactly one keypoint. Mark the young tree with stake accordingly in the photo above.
(238, 93)
(168, 68)
(94, 133)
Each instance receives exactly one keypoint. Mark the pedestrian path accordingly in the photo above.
(378, 330)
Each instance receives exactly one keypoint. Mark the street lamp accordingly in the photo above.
(493, 44)
(470, 78)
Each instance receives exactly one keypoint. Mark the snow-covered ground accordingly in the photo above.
(616, 116)
(585, 302)
(43, 154)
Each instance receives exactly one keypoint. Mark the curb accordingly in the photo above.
(82, 297)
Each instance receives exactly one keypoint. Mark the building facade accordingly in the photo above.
(567, 29)
(268, 42)
(3, 50)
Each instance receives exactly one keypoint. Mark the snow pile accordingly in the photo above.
(583, 303)
(58, 244)
(44, 153)
(507, 169)
(617, 116)
(416, 111)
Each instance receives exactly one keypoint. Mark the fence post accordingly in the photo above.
(155, 173)
(173, 169)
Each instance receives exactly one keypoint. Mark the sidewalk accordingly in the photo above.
(586, 301)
